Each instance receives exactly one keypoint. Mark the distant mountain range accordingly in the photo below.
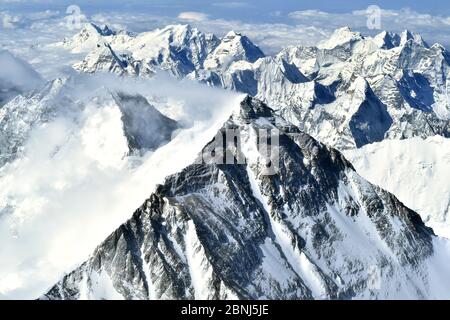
(348, 91)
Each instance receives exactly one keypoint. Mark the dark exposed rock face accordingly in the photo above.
(315, 229)
(144, 126)
(347, 93)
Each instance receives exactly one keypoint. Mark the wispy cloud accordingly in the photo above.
(80, 175)
(308, 14)
(192, 16)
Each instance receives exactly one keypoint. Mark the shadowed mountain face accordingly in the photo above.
(371, 122)
(144, 126)
(314, 229)
(417, 91)
(312, 87)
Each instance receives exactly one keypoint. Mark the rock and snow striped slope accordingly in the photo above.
(314, 230)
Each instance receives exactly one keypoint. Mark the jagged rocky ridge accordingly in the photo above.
(144, 127)
(349, 91)
(315, 229)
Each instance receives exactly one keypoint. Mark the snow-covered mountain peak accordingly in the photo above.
(339, 37)
(251, 109)
(308, 85)
(88, 38)
(438, 47)
(104, 58)
(178, 33)
(180, 49)
(178, 28)
(387, 40)
(143, 126)
(232, 34)
(407, 36)
(233, 47)
(103, 30)
(315, 229)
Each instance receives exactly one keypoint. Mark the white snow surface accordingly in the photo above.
(415, 170)
(61, 198)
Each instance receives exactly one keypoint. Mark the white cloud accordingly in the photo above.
(61, 199)
(192, 16)
(385, 13)
(307, 13)
(306, 27)
(433, 28)
(43, 14)
(9, 21)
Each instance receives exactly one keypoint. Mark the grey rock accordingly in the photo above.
(314, 230)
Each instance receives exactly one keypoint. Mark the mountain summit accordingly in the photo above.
(315, 229)
(404, 94)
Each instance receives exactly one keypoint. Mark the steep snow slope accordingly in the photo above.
(315, 229)
(416, 170)
(232, 47)
(59, 199)
(180, 49)
(349, 91)
(91, 35)
(144, 127)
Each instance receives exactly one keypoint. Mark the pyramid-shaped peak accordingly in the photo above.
(345, 32)
(252, 108)
(233, 47)
(407, 36)
(179, 28)
(339, 37)
(233, 34)
(387, 40)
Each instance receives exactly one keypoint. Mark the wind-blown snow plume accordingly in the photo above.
(16, 76)
(315, 229)
(61, 198)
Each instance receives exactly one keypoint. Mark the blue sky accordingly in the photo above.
(237, 9)
(270, 24)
